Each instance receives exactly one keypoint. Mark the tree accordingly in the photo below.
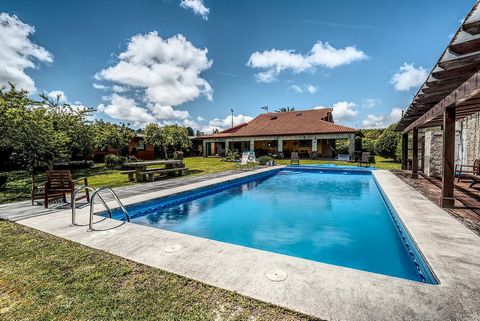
(170, 136)
(190, 131)
(27, 131)
(79, 132)
(387, 143)
(285, 109)
(116, 136)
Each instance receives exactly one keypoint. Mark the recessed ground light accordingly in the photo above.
(276, 275)
(173, 248)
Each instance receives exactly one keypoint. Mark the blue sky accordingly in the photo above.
(364, 58)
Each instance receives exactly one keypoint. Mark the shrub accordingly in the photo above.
(387, 143)
(114, 161)
(231, 156)
(264, 160)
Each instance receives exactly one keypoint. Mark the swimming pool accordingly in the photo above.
(337, 217)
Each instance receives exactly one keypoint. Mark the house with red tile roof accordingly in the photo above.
(311, 133)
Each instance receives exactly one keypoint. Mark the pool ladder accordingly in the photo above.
(96, 192)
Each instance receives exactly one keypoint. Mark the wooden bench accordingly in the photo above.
(150, 173)
(130, 173)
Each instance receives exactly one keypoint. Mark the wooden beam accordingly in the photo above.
(448, 176)
(472, 28)
(462, 61)
(469, 89)
(404, 150)
(466, 47)
(415, 152)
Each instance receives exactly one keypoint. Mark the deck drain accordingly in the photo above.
(276, 275)
(173, 248)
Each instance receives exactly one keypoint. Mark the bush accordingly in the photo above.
(114, 161)
(387, 143)
(231, 156)
(368, 145)
(264, 160)
(342, 146)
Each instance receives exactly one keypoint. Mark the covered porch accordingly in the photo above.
(307, 146)
(447, 101)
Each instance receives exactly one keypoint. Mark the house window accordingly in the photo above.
(141, 144)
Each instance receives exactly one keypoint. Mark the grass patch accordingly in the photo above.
(43, 277)
(19, 182)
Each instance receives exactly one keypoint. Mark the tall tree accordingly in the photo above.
(387, 143)
(116, 136)
(26, 129)
(167, 137)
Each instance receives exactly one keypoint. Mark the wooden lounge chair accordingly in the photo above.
(469, 171)
(364, 160)
(58, 184)
(294, 160)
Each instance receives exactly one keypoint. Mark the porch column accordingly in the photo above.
(351, 146)
(404, 150)
(204, 146)
(226, 146)
(252, 145)
(314, 145)
(448, 175)
(280, 145)
(415, 152)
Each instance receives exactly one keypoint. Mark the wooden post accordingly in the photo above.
(415, 152)
(404, 151)
(448, 165)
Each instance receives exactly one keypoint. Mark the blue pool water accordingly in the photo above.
(335, 217)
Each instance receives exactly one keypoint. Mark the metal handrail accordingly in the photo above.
(92, 204)
(73, 201)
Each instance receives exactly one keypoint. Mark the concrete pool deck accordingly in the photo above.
(321, 290)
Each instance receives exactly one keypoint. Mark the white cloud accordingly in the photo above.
(224, 123)
(167, 112)
(162, 73)
(58, 94)
(167, 69)
(126, 109)
(99, 86)
(275, 61)
(343, 111)
(382, 121)
(200, 118)
(312, 89)
(197, 6)
(370, 102)
(18, 53)
(408, 77)
(303, 88)
(295, 88)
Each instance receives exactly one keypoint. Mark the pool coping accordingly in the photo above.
(318, 289)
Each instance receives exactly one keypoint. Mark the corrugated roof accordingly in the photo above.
(314, 121)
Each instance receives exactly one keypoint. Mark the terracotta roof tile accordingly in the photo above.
(299, 122)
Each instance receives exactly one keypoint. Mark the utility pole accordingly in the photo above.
(265, 108)
(232, 116)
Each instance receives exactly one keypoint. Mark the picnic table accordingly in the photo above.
(140, 170)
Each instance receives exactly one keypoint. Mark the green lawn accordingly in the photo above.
(19, 182)
(43, 277)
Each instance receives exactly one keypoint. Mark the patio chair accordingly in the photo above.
(243, 163)
(469, 171)
(364, 160)
(294, 160)
(58, 184)
(252, 159)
